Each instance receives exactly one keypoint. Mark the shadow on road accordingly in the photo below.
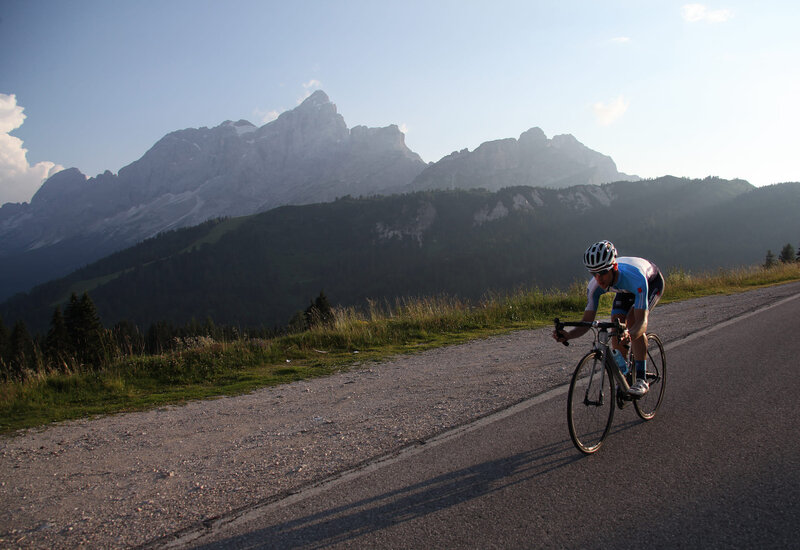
(354, 519)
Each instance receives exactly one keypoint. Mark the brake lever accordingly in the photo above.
(560, 329)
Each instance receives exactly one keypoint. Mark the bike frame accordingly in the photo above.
(601, 345)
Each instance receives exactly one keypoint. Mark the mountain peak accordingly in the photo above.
(317, 99)
(59, 186)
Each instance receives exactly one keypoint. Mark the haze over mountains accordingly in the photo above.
(259, 270)
(307, 155)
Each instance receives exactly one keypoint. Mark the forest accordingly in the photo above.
(260, 273)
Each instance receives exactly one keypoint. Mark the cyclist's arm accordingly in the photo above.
(593, 292)
(576, 332)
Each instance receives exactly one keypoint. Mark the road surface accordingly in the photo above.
(718, 467)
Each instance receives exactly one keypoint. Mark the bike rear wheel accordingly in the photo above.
(591, 402)
(647, 405)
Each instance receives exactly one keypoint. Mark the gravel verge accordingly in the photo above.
(128, 480)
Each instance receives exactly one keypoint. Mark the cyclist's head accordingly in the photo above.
(600, 257)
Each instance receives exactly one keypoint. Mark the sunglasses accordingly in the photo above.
(601, 273)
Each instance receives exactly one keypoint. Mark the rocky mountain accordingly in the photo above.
(307, 155)
(533, 160)
(259, 270)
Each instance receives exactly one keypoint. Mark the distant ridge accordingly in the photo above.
(530, 160)
(261, 269)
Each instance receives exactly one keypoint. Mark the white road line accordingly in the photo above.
(723, 324)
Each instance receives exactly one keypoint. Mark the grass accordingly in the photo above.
(211, 369)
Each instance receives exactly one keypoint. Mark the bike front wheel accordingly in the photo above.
(647, 405)
(590, 405)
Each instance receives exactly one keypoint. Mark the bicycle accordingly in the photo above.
(598, 386)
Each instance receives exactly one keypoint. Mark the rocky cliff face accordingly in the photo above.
(306, 155)
(532, 160)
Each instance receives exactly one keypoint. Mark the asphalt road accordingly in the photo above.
(719, 467)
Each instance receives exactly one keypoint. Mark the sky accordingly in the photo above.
(684, 89)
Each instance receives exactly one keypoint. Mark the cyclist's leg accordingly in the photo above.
(654, 292)
(621, 310)
(640, 344)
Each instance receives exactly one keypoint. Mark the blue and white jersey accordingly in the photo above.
(634, 274)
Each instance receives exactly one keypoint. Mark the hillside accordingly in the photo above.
(260, 270)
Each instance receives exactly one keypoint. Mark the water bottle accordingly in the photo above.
(621, 362)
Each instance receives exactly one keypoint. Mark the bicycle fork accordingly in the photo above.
(605, 362)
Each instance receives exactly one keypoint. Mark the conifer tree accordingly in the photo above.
(319, 312)
(22, 350)
(57, 342)
(787, 254)
(770, 260)
(86, 333)
(4, 339)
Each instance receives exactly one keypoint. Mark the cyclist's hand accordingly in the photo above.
(560, 336)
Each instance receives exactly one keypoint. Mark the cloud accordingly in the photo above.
(18, 179)
(312, 84)
(606, 114)
(266, 116)
(620, 40)
(694, 13)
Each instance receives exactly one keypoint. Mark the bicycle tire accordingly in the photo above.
(591, 403)
(647, 405)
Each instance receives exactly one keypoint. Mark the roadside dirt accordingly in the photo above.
(128, 480)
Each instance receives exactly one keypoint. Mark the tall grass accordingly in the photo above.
(682, 284)
(204, 368)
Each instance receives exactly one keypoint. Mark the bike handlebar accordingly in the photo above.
(602, 325)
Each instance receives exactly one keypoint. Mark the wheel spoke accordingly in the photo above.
(589, 412)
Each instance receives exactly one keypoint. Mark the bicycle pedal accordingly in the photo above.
(622, 399)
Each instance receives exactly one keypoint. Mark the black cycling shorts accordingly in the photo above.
(623, 301)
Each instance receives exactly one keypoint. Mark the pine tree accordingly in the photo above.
(5, 355)
(787, 254)
(23, 351)
(4, 336)
(319, 312)
(770, 260)
(86, 333)
(298, 322)
(58, 348)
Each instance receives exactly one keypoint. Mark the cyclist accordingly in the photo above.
(638, 284)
